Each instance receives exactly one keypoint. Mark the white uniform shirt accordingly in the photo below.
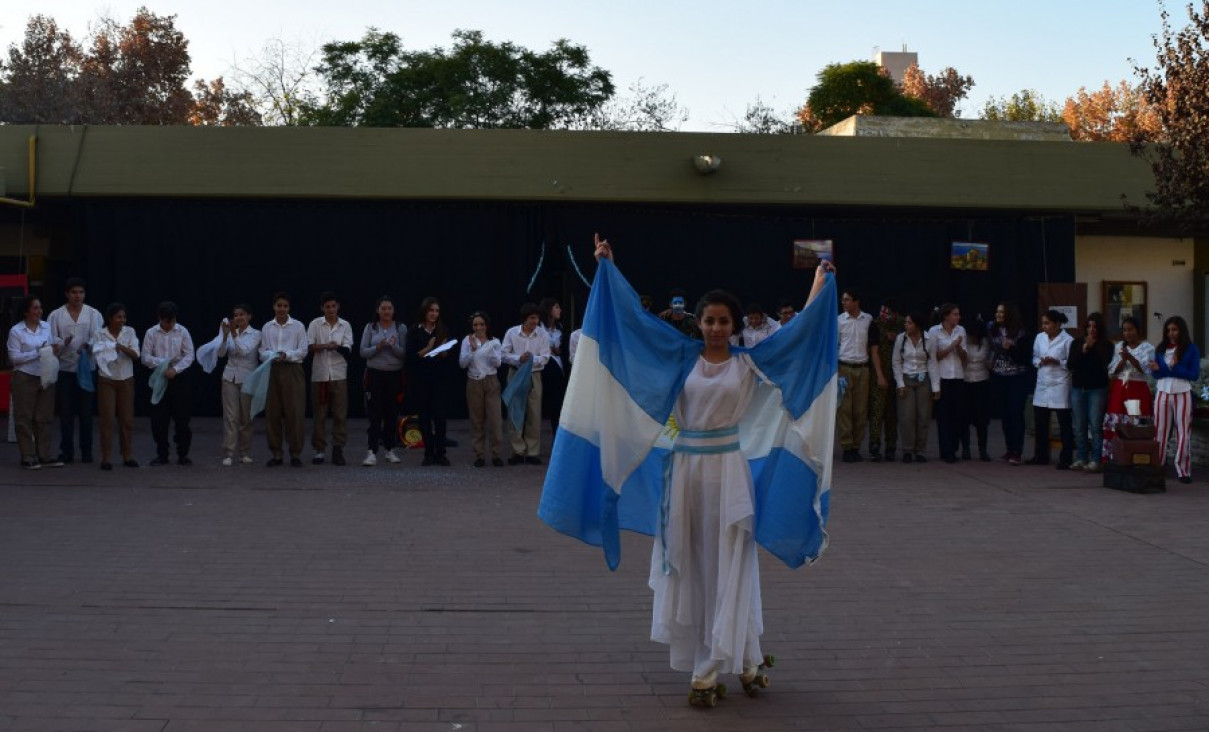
(1053, 380)
(118, 366)
(481, 362)
(289, 339)
(950, 367)
(23, 345)
(753, 336)
(978, 362)
(854, 337)
(243, 354)
(82, 330)
(1171, 384)
(330, 365)
(910, 359)
(516, 343)
(175, 345)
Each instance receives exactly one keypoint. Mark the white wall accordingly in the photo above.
(1139, 259)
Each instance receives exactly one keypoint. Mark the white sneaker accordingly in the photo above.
(1092, 467)
(1078, 465)
(391, 457)
(246, 460)
(227, 462)
(370, 459)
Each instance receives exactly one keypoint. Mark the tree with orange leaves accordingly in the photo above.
(1116, 114)
(941, 92)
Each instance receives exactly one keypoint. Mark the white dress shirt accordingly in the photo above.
(911, 360)
(480, 362)
(330, 365)
(516, 342)
(112, 363)
(978, 362)
(288, 338)
(753, 336)
(174, 345)
(949, 367)
(854, 337)
(242, 349)
(82, 330)
(23, 345)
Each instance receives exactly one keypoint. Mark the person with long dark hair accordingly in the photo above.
(1011, 364)
(428, 379)
(977, 377)
(1176, 365)
(1127, 370)
(913, 380)
(241, 346)
(1051, 350)
(115, 349)
(480, 356)
(554, 376)
(33, 400)
(947, 340)
(383, 346)
(1088, 363)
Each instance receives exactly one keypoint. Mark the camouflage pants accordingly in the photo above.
(883, 417)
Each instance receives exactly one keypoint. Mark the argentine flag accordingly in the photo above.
(612, 452)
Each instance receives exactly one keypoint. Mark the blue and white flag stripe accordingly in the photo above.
(609, 463)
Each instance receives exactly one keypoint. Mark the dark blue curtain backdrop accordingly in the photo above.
(209, 254)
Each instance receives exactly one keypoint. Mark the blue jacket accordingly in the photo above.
(1188, 368)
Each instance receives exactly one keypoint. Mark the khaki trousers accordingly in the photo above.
(115, 403)
(915, 416)
(334, 404)
(854, 409)
(236, 420)
(483, 401)
(285, 409)
(33, 410)
(528, 441)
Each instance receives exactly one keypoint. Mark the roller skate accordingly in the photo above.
(706, 692)
(755, 679)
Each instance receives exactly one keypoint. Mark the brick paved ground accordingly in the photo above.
(969, 597)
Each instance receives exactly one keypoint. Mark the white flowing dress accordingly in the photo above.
(704, 568)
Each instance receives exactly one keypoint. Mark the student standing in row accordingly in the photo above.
(1176, 365)
(170, 341)
(283, 341)
(977, 376)
(75, 324)
(115, 348)
(331, 341)
(523, 343)
(383, 346)
(480, 356)
(856, 330)
(1051, 351)
(1088, 363)
(33, 403)
(947, 341)
(913, 379)
(428, 379)
(241, 346)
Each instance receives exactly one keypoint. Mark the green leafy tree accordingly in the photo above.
(858, 87)
(1025, 105)
(375, 82)
(1178, 91)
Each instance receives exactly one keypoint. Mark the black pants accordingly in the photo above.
(977, 414)
(1041, 434)
(175, 406)
(950, 415)
(554, 389)
(71, 402)
(428, 399)
(382, 407)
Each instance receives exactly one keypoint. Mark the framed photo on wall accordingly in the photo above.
(1122, 300)
(970, 255)
(808, 252)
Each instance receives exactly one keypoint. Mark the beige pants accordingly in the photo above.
(236, 420)
(528, 442)
(285, 409)
(115, 403)
(33, 410)
(333, 404)
(483, 401)
(853, 412)
(915, 416)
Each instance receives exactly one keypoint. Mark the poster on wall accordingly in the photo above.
(807, 253)
(968, 255)
(1122, 300)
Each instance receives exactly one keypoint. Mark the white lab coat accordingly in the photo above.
(1053, 380)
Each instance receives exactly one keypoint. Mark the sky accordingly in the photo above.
(715, 57)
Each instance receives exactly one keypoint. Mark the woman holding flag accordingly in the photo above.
(747, 460)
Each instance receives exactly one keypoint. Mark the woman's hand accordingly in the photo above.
(902, 392)
(603, 249)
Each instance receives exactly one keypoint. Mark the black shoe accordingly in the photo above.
(908, 457)
(442, 461)
(31, 464)
(496, 462)
(889, 455)
(338, 456)
(919, 458)
(158, 461)
(274, 463)
(965, 453)
(106, 466)
(1036, 461)
(950, 459)
(450, 442)
(533, 460)
(130, 463)
(1063, 466)
(875, 456)
(65, 459)
(295, 462)
(184, 460)
(516, 459)
(847, 457)
(317, 460)
(1185, 479)
(479, 462)
(428, 460)
(856, 457)
(86, 458)
(984, 456)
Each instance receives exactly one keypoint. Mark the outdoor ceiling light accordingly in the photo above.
(707, 164)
